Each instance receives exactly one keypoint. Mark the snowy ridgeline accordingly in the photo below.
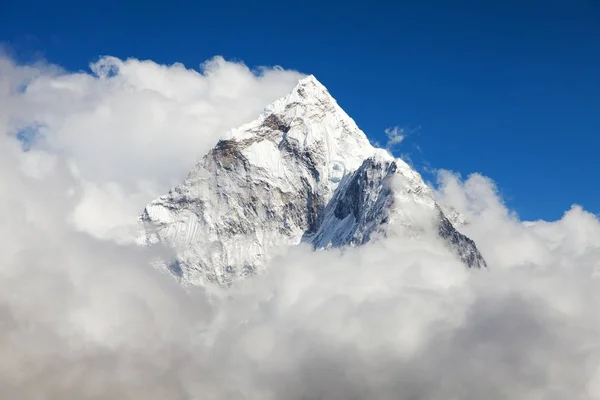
(302, 172)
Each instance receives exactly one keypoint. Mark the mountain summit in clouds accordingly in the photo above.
(303, 172)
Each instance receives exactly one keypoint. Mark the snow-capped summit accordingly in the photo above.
(301, 172)
(311, 117)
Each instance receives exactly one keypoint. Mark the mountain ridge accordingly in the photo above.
(301, 172)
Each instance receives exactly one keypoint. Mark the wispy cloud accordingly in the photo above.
(395, 136)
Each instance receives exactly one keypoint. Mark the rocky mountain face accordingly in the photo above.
(302, 172)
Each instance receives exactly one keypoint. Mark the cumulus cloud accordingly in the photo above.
(131, 129)
(85, 317)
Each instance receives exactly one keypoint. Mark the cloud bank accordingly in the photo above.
(82, 315)
(131, 129)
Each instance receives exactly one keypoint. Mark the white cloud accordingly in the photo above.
(87, 318)
(395, 136)
(133, 128)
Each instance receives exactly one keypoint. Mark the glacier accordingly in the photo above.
(302, 172)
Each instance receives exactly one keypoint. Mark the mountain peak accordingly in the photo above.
(310, 81)
(311, 118)
(308, 92)
(301, 172)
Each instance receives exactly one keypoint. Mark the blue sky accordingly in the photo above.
(509, 89)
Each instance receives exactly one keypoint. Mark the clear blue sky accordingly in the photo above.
(507, 88)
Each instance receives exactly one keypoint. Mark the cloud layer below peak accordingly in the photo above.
(83, 316)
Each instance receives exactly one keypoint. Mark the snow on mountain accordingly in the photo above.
(302, 172)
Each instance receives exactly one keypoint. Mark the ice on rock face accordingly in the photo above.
(303, 171)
